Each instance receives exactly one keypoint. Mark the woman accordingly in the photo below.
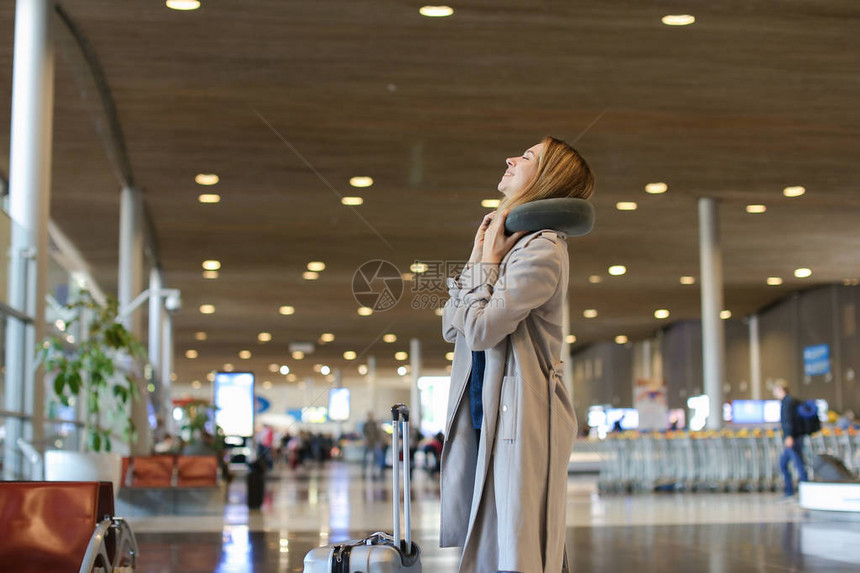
(511, 425)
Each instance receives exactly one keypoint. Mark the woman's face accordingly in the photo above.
(521, 170)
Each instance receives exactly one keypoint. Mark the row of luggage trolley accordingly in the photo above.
(726, 460)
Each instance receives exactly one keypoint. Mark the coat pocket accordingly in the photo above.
(508, 408)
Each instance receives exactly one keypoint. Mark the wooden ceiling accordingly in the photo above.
(286, 101)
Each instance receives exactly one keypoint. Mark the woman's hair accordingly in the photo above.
(561, 172)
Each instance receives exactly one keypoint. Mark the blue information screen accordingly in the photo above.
(234, 398)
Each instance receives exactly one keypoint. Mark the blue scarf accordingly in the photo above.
(476, 387)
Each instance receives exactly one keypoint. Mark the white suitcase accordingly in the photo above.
(379, 552)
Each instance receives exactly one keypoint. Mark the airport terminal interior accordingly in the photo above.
(230, 230)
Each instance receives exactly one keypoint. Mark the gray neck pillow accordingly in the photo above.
(574, 217)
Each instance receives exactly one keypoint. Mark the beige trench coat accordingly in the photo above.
(504, 499)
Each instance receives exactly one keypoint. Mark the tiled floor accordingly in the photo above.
(700, 533)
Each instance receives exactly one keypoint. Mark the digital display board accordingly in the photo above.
(338, 404)
(234, 398)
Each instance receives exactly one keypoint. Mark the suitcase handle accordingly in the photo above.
(400, 423)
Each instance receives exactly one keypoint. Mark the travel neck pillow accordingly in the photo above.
(574, 217)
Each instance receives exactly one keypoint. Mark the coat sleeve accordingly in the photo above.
(492, 305)
(455, 291)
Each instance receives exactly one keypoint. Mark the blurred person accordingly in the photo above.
(373, 446)
(792, 436)
(510, 419)
(846, 420)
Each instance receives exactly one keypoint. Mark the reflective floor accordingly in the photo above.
(312, 506)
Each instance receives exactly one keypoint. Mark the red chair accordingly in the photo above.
(149, 471)
(197, 471)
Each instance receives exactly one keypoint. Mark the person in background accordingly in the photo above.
(846, 420)
(791, 435)
(372, 446)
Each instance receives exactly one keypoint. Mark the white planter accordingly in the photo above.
(62, 465)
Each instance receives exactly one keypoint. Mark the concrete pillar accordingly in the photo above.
(713, 338)
(166, 351)
(154, 338)
(29, 205)
(755, 359)
(130, 272)
(371, 385)
(415, 394)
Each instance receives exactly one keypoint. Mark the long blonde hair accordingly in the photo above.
(562, 172)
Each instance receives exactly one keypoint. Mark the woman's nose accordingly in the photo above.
(509, 161)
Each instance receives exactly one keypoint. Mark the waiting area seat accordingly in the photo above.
(63, 527)
(170, 484)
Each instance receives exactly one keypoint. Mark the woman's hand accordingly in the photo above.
(495, 244)
(478, 248)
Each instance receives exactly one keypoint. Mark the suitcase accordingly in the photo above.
(378, 552)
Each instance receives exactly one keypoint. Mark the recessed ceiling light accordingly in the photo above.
(402, 370)
(774, 281)
(439, 311)
(210, 275)
(594, 279)
(209, 198)
(795, 191)
(756, 208)
(244, 354)
(284, 369)
(327, 337)
(802, 273)
(851, 282)
(325, 370)
(490, 203)
(264, 337)
(626, 206)
(273, 368)
(227, 367)
(620, 339)
(200, 335)
(364, 311)
(617, 270)
(678, 19)
(190, 354)
(183, 5)
(407, 276)
(210, 377)
(661, 313)
(361, 181)
(317, 368)
(570, 338)
(401, 355)
(287, 310)
(350, 355)
(436, 11)
(207, 309)
(310, 275)
(267, 385)
(297, 355)
(362, 369)
(389, 338)
(316, 266)
(725, 314)
(589, 313)
(292, 378)
(688, 280)
(196, 384)
(656, 188)
(211, 265)
(449, 356)
(418, 268)
(352, 201)
(207, 179)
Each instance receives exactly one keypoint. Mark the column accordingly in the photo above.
(371, 385)
(755, 359)
(130, 275)
(29, 205)
(713, 340)
(154, 338)
(415, 393)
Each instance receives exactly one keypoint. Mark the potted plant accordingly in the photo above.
(99, 372)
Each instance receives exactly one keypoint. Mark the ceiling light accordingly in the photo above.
(287, 310)
(589, 313)
(389, 338)
(209, 198)
(191, 354)
(264, 336)
(418, 268)
(626, 206)
(364, 311)
(350, 355)
(594, 279)
(210, 377)
(244, 354)
(439, 311)
(292, 378)
(207, 179)
(273, 368)
(227, 367)
(402, 371)
(298, 355)
(362, 369)
(802, 273)
(688, 280)
(570, 338)
(267, 385)
(184, 5)
(327, 337)
(325, 370)
(284, 369)
(490, 203)
(200, 336)
(310, 275)
(678, 19)
(617, 270)
(774, 281)
(620, 339)
(449, 356)
(401, 355)
(352, 201)
(725, 314)
(795, 191)
(407, 276)
(211, 265)
(436, 11)
(316, 266)
(210, 275)
(196, 384)
(656, 188)
(756, 208)
(661, 313)
(361, 181)
(207, 309)
(850, 282)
